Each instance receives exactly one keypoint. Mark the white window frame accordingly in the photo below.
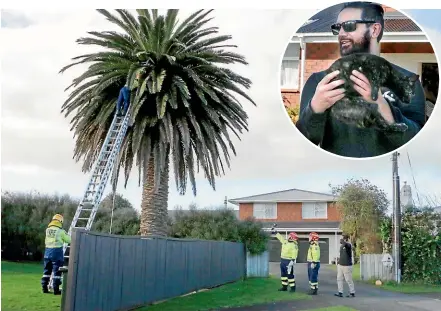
(306, 206)
(295, 85)
(265, 210)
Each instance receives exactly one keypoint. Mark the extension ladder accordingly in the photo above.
(88, 206)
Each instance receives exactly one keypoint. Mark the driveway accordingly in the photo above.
(368, 298)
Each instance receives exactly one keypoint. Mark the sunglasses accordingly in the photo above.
(348, 26)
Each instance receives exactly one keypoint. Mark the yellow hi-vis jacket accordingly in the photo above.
(289, 249)
(313, 252)
(55, 235)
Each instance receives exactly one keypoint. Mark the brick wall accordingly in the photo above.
(289, 212)
(319, 56)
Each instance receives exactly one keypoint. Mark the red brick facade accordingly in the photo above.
(289, 212)
(319, 56)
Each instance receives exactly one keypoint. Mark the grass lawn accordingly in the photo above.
(243, 293)
(21, 289)
(336, 308)
(355, 271)
(410, 288)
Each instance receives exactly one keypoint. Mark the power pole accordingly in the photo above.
(225, 202)
(396, 243)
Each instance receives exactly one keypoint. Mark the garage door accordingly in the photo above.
(274, 248)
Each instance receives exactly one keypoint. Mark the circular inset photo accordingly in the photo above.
(359, 79)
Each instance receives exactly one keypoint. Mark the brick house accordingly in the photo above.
(313, 48)
(296, 210)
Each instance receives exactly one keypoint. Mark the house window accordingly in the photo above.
(265, 210)
(289, 76)
(314, 210)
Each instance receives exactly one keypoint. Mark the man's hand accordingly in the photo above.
(313, 266)
(326, 93)
(363, 87)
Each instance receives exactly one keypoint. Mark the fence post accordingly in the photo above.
(63, 270)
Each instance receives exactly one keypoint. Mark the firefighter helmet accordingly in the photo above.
(293, 236)
(313, 236)
(58, 217)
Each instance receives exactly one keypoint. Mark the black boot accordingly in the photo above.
(45, 290)
(338, 294)
(283, 288)
(293, 289)
(57, 291)
(313, 291)
(351, 295)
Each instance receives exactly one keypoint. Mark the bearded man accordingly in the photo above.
(359, 28)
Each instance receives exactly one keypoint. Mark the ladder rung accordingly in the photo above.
(87, 209)
(83, 218)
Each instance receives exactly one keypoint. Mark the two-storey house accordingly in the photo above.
(300, 211)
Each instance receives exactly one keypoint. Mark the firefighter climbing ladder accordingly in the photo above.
(86, 210)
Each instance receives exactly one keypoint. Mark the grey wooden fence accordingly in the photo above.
(109, 273)
(371, 267)
(258, 265)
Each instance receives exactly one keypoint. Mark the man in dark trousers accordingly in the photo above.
(288, 258)
(123, 98)
(344, 267)
(359, 27)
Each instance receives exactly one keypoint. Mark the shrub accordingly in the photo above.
(25, 217)
(221, 225)
(421, 245)
(293, 113)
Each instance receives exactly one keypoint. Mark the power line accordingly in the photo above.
(413, 178)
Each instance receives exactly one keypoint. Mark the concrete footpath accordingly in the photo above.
(368, 298)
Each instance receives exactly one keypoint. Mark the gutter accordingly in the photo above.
(236, 202)
(304, 229)
(303, 56)
(390, 37)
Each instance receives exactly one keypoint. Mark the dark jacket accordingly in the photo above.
(345, 140)
(345, 254)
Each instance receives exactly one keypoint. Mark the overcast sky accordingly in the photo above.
(37, 145)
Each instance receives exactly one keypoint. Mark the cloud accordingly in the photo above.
(13, 19)
(38, 145)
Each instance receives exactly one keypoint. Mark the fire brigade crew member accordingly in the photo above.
(288, 259)
(53, 254)
(313, 262)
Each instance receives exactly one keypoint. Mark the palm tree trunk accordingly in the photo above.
(154, 205)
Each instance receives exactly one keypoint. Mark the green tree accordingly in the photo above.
(218, 224)
(183, 102)
(124, 221)
(25, 217)
(362, 206)
(421, 244)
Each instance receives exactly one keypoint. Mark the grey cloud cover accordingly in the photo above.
(37, 145)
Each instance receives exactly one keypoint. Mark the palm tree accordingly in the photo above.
(182, 102)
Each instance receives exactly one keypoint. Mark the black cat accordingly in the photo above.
(353, 109)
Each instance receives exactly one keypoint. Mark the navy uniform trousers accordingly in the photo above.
(287, 278)
(53, 261)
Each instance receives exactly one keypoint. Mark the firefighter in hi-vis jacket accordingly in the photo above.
(313, 262)
(288, 258)
(53, 254)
